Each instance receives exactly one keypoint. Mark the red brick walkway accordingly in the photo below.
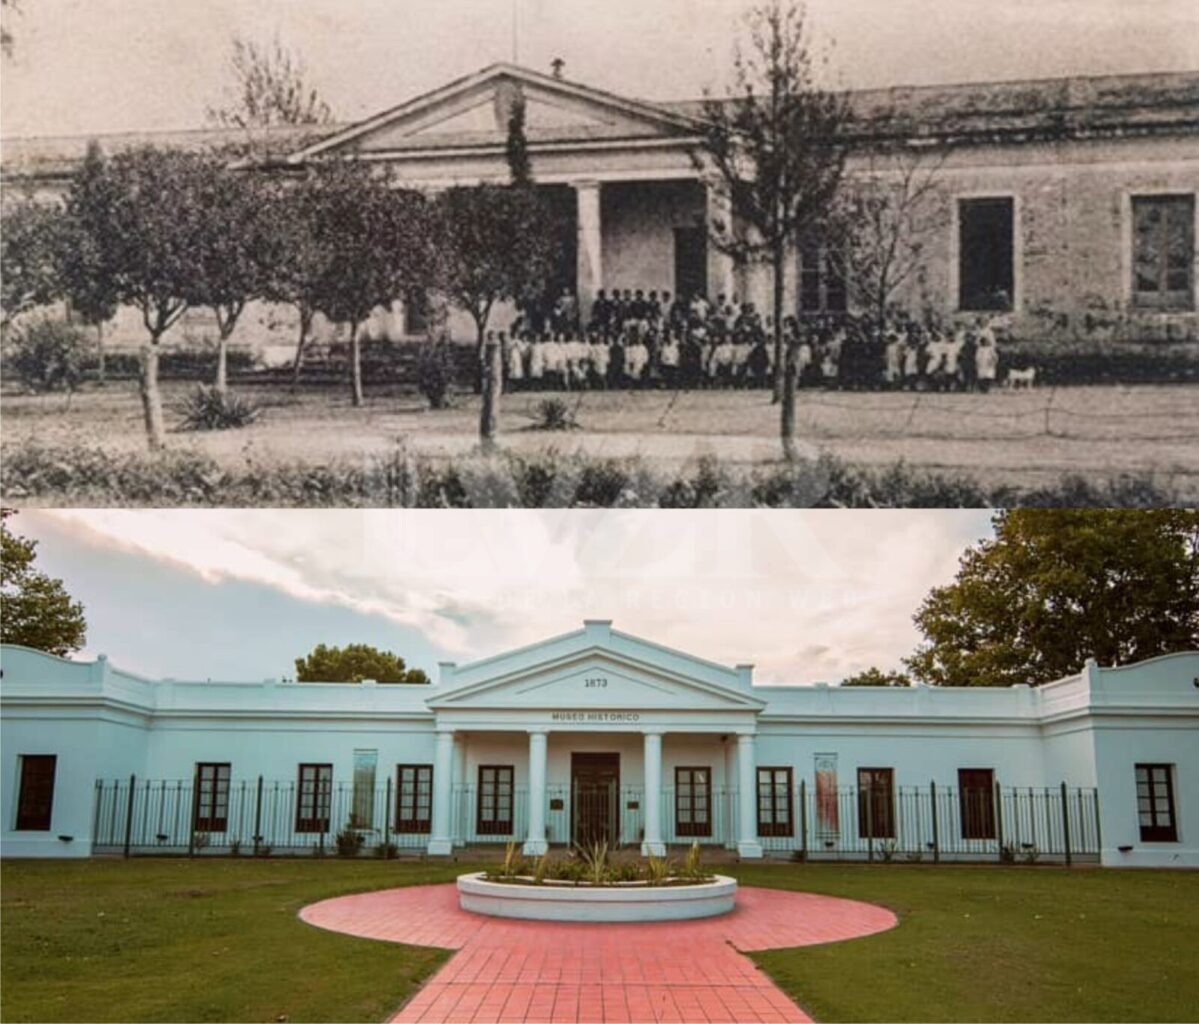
(533, 971)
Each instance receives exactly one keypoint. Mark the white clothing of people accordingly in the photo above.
(986, 360)
(536, 360)
(600, 357)
(517, 349)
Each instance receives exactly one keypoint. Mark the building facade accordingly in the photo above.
(1068, 206)
(597, 735)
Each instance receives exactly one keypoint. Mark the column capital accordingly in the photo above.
(538, 730)
(653, 730)
(445, 730)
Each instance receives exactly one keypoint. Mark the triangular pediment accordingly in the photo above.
(578, 671)
(475, 111)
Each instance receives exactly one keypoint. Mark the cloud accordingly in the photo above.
(806, 595)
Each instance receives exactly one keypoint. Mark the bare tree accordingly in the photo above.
(884, 221)
(7, 42)
(775, 152)
(270, 89)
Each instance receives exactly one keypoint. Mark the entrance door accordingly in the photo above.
(594, 786)
(690, 261)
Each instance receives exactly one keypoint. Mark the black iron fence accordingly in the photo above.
(934, 823)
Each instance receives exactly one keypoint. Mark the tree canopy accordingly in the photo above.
(354, 663)
(35, 609)
(1057, 586)
(875, 676)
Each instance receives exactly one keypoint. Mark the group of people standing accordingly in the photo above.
(635, 339)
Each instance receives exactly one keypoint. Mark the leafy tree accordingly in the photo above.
(29, 245)
(354, 663)
(233, 255)
(774, 154)
(874, 676)
(1055, 587)
(35, 609)
(145, 216)
(376, 241)
(884, 222)
(270, 88)
(85, 277)
(517, 146)
(300, 262)
(497, 242)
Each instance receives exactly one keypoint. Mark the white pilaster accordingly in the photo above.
(590, 250)
(535, 842)
(747, 794)
(652, 845)
(441, 842)
(732, 823)
(458, 790)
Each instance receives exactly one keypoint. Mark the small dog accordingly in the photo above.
(1026, 378)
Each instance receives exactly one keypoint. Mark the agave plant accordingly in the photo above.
(691, 863)
(513, 861)
(657, 870)
(595, 859)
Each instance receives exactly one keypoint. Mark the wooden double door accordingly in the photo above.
(595, 799)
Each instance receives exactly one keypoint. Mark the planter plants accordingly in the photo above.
(592, 885)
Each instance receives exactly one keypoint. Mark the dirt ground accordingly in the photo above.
(1019, 438)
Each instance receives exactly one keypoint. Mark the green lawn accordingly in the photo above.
(999, 944)
(219, 940)
(179, 940)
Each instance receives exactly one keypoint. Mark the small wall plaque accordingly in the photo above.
(633, 805)
(557, 804)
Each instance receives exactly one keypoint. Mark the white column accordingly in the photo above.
(458, 789)
(652, 845)
(720, 265)
(590, 255)
(732, 824)
(747, 797)
(441, 842)
(535, 843)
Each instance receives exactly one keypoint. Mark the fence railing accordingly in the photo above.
(258, 816)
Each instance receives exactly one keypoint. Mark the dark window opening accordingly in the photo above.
(690, 261)
(986, 275)
(416, 311)
(1163, 251)
(313, 796)
(414, 798)
(35, 801)
(876, 803)
(821, 280)
(212, 797)
(1155, 803)
(693, 801)
(493, 816)
(774, 802)
(976, 802)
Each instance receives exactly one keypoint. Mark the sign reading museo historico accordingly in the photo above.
(594, 716)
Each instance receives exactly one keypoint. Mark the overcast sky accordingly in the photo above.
(84, 66)
(806, 595)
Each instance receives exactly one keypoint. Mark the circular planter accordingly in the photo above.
(635, 902)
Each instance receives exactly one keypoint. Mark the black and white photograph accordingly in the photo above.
(522, 253)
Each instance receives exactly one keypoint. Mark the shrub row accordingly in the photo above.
(81, 475)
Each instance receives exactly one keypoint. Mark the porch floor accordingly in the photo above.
(534, 971)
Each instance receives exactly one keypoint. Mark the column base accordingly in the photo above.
(440, 847)
(749, 849)
(534, 847)
(653, 848)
